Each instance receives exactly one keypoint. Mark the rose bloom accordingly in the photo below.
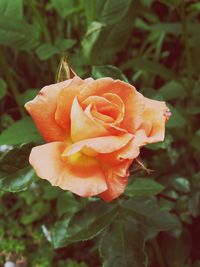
(94, 130)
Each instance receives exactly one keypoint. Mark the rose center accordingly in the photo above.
(108, 108)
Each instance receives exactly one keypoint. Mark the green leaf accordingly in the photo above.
(175, 28)
(46, 51)
(22, 131)
(143, 187)
(64, 44)
(28, 95)
(17, 181)
(172, 90)
(166, 204)
(108, 71)
(37, 211)
(50, 192)
(91, 37)
(3, 88)
(62, 6)
(122, 244)
(169, 28)
(84, 225)
(12, 8)
(195, 6)
(66, 8)
(194, 204)
(113, 11)
(59, 232)
(148, 214)
(17, 34)
(67, 203)
(28, 196)
(181, 184)
(20, 156)
(151, 67)
(177, 120)
(113, 38)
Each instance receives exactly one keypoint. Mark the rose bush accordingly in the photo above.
(94, 130)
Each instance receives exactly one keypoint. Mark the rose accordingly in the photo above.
(94, 130)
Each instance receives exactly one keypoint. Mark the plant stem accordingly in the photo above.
(11, 83)
(158, 253)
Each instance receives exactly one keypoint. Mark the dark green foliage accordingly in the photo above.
(143, 187)
(13, 134)
(17, 181)
(155, 46)
(84, 225)
(108, 71)
(126, 240)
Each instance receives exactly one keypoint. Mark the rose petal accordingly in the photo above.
(104, 121)
(132, 149)
(154, 120)
(129, 152)
(101, 107)
(82, 126)
(65, 100)
(100, 116)
(116, 184)
(115, 99)
(121, 169)
(48, 164)
(105, 144)
(42, 108)
(133, 101)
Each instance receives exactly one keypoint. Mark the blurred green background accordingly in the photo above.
(154, 45)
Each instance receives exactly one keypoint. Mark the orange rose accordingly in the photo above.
(94, 130)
